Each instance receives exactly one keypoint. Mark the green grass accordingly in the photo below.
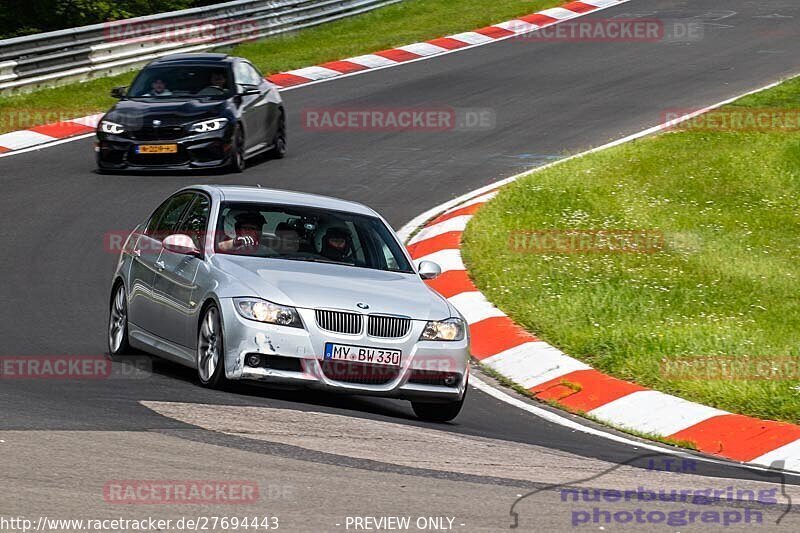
(724, 285)
(395, 25)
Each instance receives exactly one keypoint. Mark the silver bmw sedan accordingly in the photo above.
(289, 288)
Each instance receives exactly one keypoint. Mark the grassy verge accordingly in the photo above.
(395, 25)
(723, 286)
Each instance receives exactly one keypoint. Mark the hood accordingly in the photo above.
(136, 113)
(319, 285)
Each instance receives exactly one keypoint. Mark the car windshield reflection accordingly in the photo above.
(308, 234)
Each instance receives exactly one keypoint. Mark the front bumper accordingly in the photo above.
(207, 150)
(424, 368)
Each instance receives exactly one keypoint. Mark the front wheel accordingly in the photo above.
(438, 412)
(118, 322)
(279, 143)
(237, 163)
(210, 350)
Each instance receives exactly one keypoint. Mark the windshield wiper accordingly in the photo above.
(314, 260)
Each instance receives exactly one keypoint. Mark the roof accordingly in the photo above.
(241, 193)
(194, 58)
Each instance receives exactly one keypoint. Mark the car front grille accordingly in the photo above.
(388, 327)
(362, 373)
(161, 133)
(339, 321)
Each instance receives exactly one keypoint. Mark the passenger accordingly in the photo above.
(337, 245)
(288, 239)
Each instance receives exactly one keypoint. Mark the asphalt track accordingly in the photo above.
(63, 440)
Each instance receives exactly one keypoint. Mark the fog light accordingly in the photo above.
(253, 360)
(450, 379)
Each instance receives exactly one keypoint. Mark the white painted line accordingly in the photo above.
(315, 73)
(533, 363)
(458, 223)
(654, 412)
(472, 37)
(372, 61)
(474, 306)
(47, 145)
(790, 453)
(447, 259)
(23, 139)
(423, 49)
(482, 199)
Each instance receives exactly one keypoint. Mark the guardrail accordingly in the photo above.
(78, 54)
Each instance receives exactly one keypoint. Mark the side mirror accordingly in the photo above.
(118, 92)
(429, 270)
(249, 90)
(181, 244)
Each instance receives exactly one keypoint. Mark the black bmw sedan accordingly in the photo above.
(192, 111)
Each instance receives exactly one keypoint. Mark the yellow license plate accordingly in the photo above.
(157, 149)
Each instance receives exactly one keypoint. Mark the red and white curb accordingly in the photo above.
(82, 127)
(551, 375)
(442, 45)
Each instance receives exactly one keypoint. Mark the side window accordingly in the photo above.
(195, 223)
(166, 217)
(241, 74)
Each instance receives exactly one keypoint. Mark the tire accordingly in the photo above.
(238, 163)
(279, 148)
(211, 350)
(438, 412)
(118, 322)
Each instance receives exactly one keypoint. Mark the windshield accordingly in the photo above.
(308, 234)
(182, 81)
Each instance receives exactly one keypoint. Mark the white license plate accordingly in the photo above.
(362, 354)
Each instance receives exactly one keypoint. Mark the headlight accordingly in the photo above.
(451, 329)
(264, 311)
(106, 126)
(209, 125)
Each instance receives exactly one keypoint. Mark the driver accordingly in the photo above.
(337, 245)
(219, 80)
(248, 227)
(159, 88)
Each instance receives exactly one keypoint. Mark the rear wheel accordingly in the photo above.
(438, 412)
(210, 350)
(237, 156)
(118, 322)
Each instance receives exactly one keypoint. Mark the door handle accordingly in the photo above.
(161, 265)
(137, 253)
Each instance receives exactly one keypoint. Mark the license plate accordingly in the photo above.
(362, 354)
(157, 149)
